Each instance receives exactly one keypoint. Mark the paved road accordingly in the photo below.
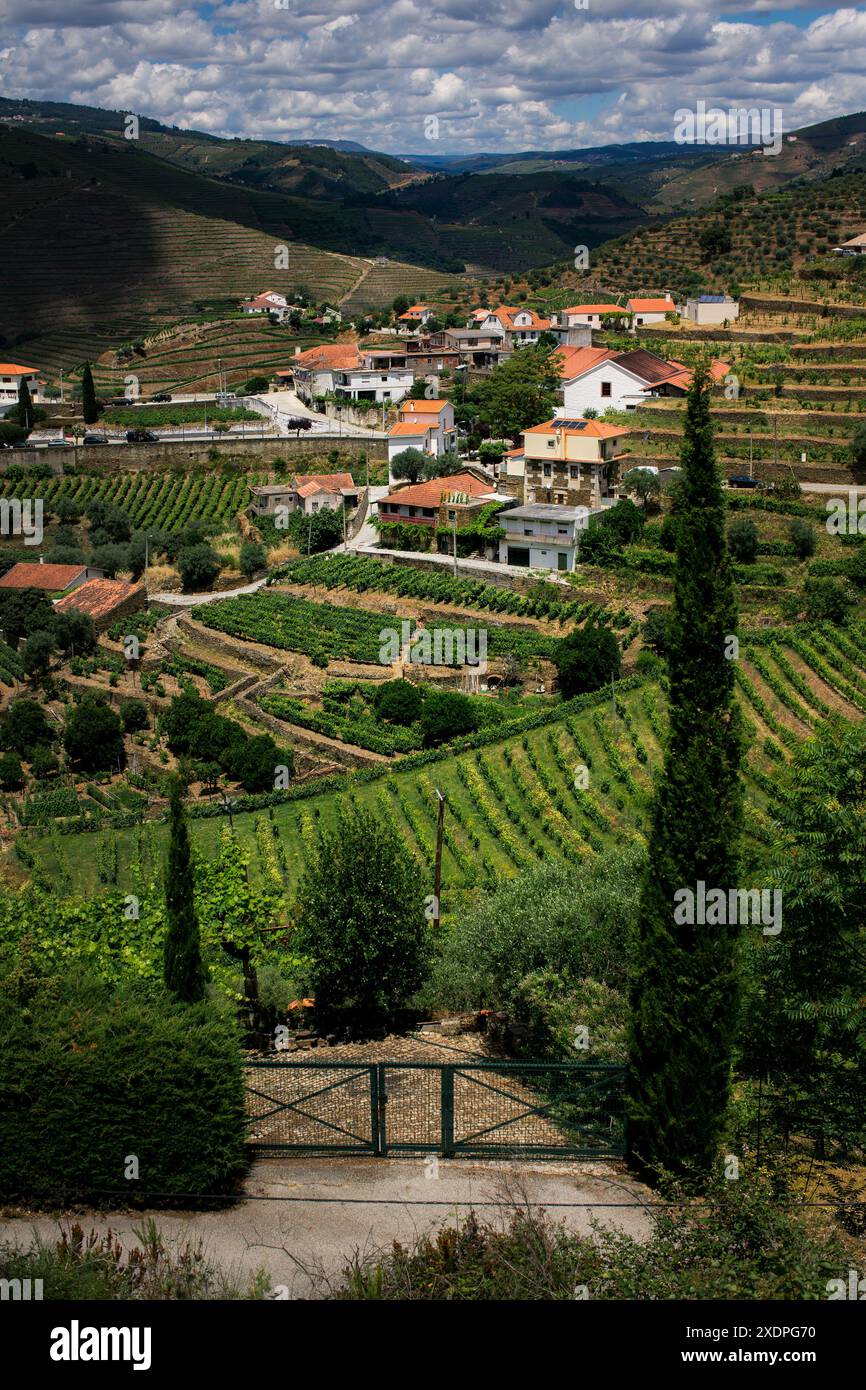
(303, 1212)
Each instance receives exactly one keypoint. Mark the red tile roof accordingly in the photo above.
(651, 306)
(412, 427)
(99, 597)
(26, 575)
(423, 407)
(598, 429)
(13, 369)
(595, 309)
(328, 355)
(430, 494)
(308, 484)
(576, 361)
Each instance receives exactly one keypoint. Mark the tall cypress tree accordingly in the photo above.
(88, 396)
(683, 986)
(182, 964)
(25, 405)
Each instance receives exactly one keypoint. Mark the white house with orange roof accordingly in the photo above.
(589, 314)
(427, 425)
(269, 302)
(602, 379)
(414, 317)
(650, 310)
(518, 327)
(11, 376)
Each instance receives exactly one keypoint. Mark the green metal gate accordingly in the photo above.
(477, 1109)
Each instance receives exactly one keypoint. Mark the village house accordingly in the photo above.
(590, 315)
(427, 425)
(306, 492)
(415, 316)
(269, 302)
(647, 311)
(541, 536)
(602, 379)
(516, 327)
(340, 369)
(712, 309)
(571, 462)
(854, 246)
(49, 579)
(440, 501)
(104, 600)
(11, 377)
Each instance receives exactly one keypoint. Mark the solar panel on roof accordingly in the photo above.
(712, 299)
(572, 424)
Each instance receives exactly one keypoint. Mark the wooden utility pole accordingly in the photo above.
(437, 873)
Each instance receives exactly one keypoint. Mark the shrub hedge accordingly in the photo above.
(94, 1073)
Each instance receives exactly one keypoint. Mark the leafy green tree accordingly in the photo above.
(802, 534)
(398, 702)
(25, 406)
(134, 715)
(656, 629)
(360, 918)
(89, 408)
(252, 558)
(183, 969)
(683, 988)
(519, 392)
(714, 241)
(199, 566)
(36, 655)
(446, 714)
(92, 736)
(409, 464)
(643, 484)
(826, 600)
(11, 772)
(857, 566)
(111, 559)
(806, 1025)
(743, 540)
(24, 727)
(587, 659)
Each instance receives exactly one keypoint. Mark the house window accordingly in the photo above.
(550, 443)
(605, 388)
(548, 470)
(574, 472)
(562, 530)
(527, 531)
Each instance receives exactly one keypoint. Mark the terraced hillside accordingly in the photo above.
(126, 242)
(188, 357)
(165, 501)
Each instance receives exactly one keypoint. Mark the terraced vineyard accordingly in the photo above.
(165, 501)
(515, 800)
(188, 358)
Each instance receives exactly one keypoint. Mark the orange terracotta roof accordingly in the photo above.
(595, 309)
(651, 306)
(329, 355)
(323, 482)
(99, 597)
(13, 369)
(26, 575)
(413, 427)
(423, 407)
(430, 494)
(506, 315)
(598, 429)
(415, 310)
(576, 361)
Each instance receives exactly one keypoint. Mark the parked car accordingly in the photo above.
(161, 397)
(92, 438)
(743, 480)
(141, 437)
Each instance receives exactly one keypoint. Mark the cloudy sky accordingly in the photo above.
(497, 75)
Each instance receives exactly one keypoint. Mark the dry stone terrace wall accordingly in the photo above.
(182, 454)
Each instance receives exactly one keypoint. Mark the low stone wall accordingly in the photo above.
(185, 455)
(209, 637)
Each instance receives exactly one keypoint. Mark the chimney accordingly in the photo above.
(297, 352)
(42, 559)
